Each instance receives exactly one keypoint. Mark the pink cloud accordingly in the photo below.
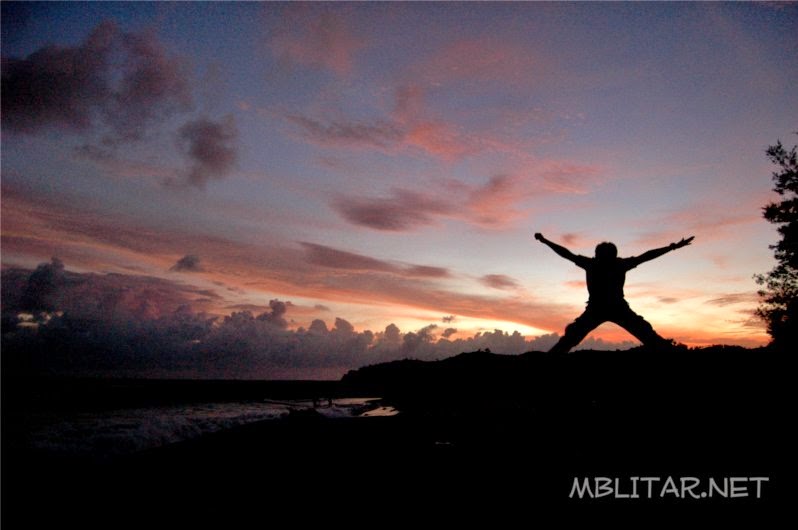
(439, 139)
(338, 259)
(579, 285)
(426, 271)
(92, 241)
(318, 273)
(563, 176)
(424, 130)
(499, 281)
(491, 205)
(571, 239)
(317, 39)
(401, 211)
(409, 126)
(481, 59)
(707, 221)
(734, 298)
(494, 204)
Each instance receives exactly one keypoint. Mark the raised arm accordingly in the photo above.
(657, 252)
(560, 250)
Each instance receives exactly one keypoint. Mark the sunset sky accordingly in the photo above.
(390, 162)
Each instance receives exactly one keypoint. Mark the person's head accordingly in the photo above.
(606, 251)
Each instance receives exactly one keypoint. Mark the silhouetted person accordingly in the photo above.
(606, 274)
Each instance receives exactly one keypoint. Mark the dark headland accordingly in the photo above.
(479, 433)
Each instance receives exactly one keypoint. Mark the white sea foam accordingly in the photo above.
(118, 432)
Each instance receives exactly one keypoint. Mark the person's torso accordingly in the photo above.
(605, 280)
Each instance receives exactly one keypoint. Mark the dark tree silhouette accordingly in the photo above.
(779, 304)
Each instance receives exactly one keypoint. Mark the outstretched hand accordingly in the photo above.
(539, 237)
(683, 243)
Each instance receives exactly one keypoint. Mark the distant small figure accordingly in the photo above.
(606, 274)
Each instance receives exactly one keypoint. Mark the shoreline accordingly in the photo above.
(486, 433)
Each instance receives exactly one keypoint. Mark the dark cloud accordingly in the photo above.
(188, 263)
(62, 87)
(43, 286)
(125, 325)
(425, 271)
(339, 259)
(381, 134)
(97, 297)
(153, 85)
(94, 153)
(320, 307)
(489, 205)
(276, 315)
(449, 318)
(734, 298)
(499, 281)
(252, 308)
(392, 334)
(318, 327)
(210, 147)
(123, 82)
(403, 210)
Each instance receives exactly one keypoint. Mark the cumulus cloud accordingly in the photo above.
(499, 281)
(300, 271)
(120, 81)
(188, 263)
(210, 147)
(133, 325)
(276, 315)
(50, 287)
(448, 332)
(43, 286)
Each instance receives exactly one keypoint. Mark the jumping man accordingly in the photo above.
(606, 274)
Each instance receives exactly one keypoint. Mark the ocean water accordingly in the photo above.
(107, 434)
